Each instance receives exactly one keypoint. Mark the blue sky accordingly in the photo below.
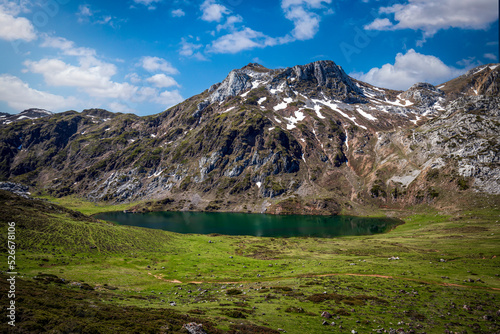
(143, 56)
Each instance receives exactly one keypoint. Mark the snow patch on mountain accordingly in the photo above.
(299, 116)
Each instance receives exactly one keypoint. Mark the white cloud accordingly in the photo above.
(95, 77)
(431, 16)
(241, 40)
(85, 14)
(409, 69)
(20, 96)
(490, 56)
(178, 13)
(305, 20)
(94, 80)
(154, 64)
(213, 11)
(84, 10)
(67, 47)
(306, 23)
(14, 8)
(169, 98)
(120, 107)
(308, 3)
(150, 4)
(379, 24)
(469, 62)
(15, 28)
(188, 49)
(133, 77)
(230, 22)
(162, 81)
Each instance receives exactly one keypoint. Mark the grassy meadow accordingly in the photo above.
(438, 272)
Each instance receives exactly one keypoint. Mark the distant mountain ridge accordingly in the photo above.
(302, 139)
(32, 113)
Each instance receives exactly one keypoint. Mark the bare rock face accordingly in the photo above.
(15, 188)
(423, 94)
(465, 136)
(319, 80)
(235, 83)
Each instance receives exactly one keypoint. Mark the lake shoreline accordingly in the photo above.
(254, 224)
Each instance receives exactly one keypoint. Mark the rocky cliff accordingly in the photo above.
(302, 139)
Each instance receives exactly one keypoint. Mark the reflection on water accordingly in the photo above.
(260, 225)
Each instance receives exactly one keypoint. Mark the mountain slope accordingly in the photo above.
(302, 139)
(33, 113)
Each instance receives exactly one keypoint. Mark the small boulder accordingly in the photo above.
(326, 315)
(194, 328)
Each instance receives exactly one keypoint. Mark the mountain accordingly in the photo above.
(305, 139)
(33, 113)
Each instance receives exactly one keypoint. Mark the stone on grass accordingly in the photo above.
(326, 314)
(194, 328)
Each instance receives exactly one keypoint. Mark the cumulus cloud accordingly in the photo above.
(169, 98)
(91, 76)
(67, 47)
(212, 11)
(379, 24)
(409, 69)
(15, 28)
(155, 64)
(95, 80)
(305, 15)
(430, 16)
(177, 13)
(162, 81)
(20, 96)
(241, 40)
(120, 107)
(301, 13)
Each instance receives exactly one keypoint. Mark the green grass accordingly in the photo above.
(86, 207)
(284, 282)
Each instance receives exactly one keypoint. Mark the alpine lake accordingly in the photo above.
(260, 225)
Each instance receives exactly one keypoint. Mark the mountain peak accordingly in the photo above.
(255, 67)
(481, 80)
(322, 78)
(319, 79)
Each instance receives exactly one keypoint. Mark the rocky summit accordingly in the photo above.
(305, 139)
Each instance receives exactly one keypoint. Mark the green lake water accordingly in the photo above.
(261, 225)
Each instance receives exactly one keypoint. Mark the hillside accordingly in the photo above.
(76, 274)
(306, 139)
